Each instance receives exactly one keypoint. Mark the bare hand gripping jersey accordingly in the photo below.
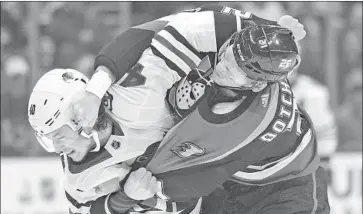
(100, 173)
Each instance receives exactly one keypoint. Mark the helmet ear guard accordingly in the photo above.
(266, 52)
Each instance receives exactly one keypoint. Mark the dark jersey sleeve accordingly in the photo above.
(124, 51)
(246, 16)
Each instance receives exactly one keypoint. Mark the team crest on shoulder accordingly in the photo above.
(188, 149)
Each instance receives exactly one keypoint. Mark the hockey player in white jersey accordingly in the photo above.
(93, 163)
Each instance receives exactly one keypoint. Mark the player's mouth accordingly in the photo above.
(70, 152)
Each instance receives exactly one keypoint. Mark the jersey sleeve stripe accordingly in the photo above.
(260, 175)
(239, 23)
(177, 65)
(107, 210)
(295, 115)
(182, 40)
(178, 53)
(171, 55)
(169, 206)
(82, 210)
(174, 206)
(255, 168)
(137, 208)
(181, 47)
(75, 203)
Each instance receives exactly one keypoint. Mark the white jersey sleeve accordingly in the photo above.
(174, 51)
(189, 37)
(139, 97)
(314, 97)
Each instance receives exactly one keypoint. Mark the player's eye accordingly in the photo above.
(59, 137)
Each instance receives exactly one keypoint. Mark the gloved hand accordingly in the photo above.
(85, 109)
(294, 25)
(141, 185)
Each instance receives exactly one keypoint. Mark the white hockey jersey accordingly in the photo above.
(100, 173)
(141, 116)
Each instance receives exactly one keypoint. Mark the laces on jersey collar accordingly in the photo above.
(94, 135)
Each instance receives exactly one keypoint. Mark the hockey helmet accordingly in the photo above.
(265, 52)
(49, 103)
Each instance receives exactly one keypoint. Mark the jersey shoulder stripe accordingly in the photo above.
(182, 40)
(168, 62)
(171, 55)
(177, 49)
(166, 40)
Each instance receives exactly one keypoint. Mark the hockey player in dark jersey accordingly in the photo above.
(296, 130)
(212, 161)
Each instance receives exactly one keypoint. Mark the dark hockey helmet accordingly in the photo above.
(265, 52)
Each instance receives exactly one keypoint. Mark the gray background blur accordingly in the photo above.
(39, 36)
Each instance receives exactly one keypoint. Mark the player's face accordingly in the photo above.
(73, 144)
(228, 73)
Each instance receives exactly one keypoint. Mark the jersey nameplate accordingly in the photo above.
(283, 114)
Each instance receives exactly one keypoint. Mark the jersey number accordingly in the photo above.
(134, 77)
(285, 63)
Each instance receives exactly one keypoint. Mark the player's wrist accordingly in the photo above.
(100, 82)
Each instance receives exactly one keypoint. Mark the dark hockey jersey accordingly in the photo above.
(265, 139)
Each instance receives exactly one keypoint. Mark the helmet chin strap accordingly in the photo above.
(94, 135)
